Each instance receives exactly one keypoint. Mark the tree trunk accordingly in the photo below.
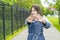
(59, 16)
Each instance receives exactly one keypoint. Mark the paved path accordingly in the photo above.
(50, 34)
(21, 36)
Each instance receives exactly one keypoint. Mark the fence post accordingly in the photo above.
(21, 17)
(17, 16)
(12, 19)
(3, 21)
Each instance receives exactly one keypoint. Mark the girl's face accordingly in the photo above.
(33, 11)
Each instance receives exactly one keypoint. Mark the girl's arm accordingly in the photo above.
(28, 21)
(45, 23)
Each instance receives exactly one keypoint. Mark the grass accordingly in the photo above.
(55, 22)
(10, 36)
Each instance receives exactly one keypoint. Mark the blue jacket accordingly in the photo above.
(35, 30)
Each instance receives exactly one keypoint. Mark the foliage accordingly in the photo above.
(54, 22)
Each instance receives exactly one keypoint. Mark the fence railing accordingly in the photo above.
(11, 18)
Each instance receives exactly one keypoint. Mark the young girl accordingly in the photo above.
(36, 23)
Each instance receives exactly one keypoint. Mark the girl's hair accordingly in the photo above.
(37, 8)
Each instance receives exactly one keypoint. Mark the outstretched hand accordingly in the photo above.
(38, 18)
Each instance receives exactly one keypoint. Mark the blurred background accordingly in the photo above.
(14, 12)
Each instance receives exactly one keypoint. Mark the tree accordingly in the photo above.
(57, 6)
(28, 3)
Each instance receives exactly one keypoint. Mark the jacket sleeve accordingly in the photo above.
(27, 23)
(47, 25)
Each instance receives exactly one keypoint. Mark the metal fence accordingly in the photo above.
(11, 18)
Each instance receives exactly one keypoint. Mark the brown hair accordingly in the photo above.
(37, 8)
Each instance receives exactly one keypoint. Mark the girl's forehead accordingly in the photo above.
(32, 9)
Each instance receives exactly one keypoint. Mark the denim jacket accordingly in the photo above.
(35, 29)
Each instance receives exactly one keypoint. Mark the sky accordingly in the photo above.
(45, 4)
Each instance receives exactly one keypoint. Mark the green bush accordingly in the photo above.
(8, 27)
(55, 22)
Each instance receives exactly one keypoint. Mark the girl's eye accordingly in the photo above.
(33, 10)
